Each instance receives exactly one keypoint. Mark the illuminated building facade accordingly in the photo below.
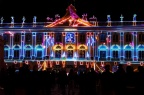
(72, 40)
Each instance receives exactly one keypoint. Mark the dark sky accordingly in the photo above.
(44, 8)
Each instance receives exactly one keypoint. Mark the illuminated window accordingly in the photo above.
(128, 54)
(39, 53)
(141, 37)
(141, 54)
(102, 54)
(16, 52)
(102, 37)
(115, 54)
(16, 38)
(58, 54)
(28, 38)
(115, 38)
(128, 37)
(82, 54)
(70, 53)
(28, 51)
(39, 37)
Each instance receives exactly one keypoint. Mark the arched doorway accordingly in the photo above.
(70, 51)
(82, 51)
(58, 52)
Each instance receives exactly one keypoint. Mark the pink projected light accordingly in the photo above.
(70, 19)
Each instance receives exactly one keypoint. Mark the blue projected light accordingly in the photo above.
(70, 37)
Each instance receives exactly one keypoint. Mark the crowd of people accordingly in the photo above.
(87, 82)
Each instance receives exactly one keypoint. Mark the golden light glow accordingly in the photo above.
(57, 47)
(51, 64)
(70, 47)
(82, 47)
(63, 64)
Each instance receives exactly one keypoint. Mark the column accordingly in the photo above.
(96, 46)
(11, 46)
(109, 46)
(22, 45)
(135, 46)
(122, 46)
(33, 44)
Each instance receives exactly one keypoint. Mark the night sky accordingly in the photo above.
(44, 8)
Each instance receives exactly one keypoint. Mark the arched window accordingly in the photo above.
(82, 52)
(102, 51)
(70, 52)
(115, 51)
(16, 51)
(39, 51)
(140, 52)
(28, 51)
(58, 52)
(128, 52)
(6, 52)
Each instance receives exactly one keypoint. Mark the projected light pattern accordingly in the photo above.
(70, 38)
(73, 39)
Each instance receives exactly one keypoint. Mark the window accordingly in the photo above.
(82, 38)
(128, 54)
(39, 37)
(115, 54)
(58, 37)
(82, 54)
(115, 38)
(103, 37)
(6, 37)
(5, 53)
(128, 37)
(16, 38)
(141, 37)
(102, 54)
(58, 54)
(70, 53)
(141, 54)
(28, 38)
(16, 53)
(39, 53)
(27, 53)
